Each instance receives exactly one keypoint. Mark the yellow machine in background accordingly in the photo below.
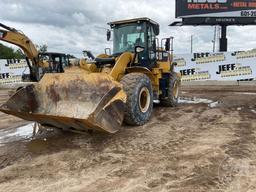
(41, 62)
(106, 90)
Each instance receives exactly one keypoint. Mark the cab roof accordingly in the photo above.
(53, 53)
(132, 21)
(121, 22)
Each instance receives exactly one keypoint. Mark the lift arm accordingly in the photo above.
(15, 37)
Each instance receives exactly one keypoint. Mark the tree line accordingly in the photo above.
(10, 53)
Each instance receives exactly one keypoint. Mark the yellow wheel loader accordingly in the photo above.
(38, 63)
(108, 90)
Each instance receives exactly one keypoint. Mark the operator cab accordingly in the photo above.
(130, 34)
(57, 63)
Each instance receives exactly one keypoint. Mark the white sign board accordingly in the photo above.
(228, 66)
(11, 71)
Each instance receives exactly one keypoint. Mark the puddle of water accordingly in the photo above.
(20, 133)
(244, 93)
(195, 100)
(214, 104)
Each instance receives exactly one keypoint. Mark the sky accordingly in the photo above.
(71, 26)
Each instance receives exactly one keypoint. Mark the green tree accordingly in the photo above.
(10, 53)
(19, 54)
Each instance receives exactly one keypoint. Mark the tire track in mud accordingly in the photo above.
(174, 173)
(241, 154)
(163, 153)
(173, 168)
(200, 169)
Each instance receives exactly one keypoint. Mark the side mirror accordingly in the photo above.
(139, 49)
(168, 45)
(156, 29)
(88, 54)
(108, 35)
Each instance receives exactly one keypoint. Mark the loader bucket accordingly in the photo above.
(75, 102)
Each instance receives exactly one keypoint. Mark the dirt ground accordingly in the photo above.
(202, 145)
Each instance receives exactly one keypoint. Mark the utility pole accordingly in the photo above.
(214, 39)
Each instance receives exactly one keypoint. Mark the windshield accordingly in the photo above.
(127, 37)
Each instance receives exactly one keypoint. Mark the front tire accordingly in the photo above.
(139, 103)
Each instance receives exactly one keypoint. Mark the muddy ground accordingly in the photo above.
(202, 145)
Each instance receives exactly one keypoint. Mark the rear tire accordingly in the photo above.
(172, 98)
(139, 103)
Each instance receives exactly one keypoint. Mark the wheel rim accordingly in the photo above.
(144, 100)
(176, 90)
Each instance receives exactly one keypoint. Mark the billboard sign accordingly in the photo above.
(212, 12)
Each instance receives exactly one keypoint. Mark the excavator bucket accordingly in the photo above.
(75, 101)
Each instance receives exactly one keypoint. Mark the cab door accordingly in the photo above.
(151, 47)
